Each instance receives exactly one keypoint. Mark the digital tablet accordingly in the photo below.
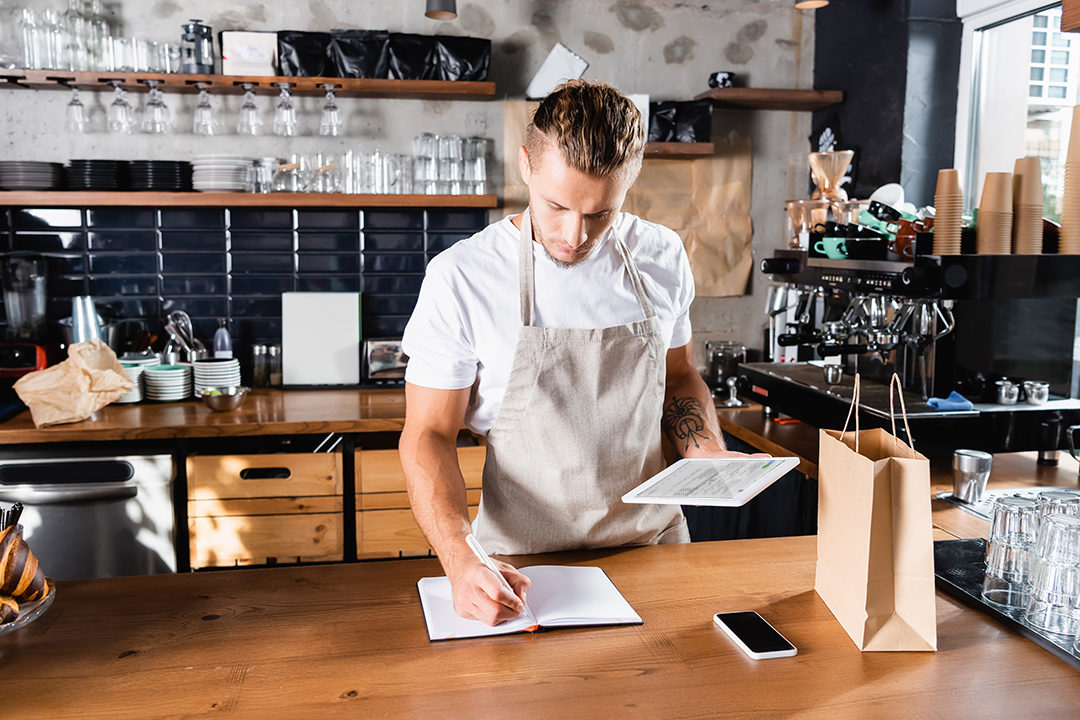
(723, 482)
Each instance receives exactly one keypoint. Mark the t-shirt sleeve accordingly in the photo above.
(436, 339)
(682, 333)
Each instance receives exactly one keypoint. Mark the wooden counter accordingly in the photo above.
(1009, 471)
(349, 641)
(266, 412)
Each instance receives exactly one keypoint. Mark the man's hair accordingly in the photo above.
(596, 128)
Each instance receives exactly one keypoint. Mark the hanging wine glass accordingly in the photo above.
(156, 116)
(121, 116)
(205, 122)
(286, 123)
(77, 118)
(250, 121)
(330, 122)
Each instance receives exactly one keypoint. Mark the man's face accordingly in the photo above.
(570, 211)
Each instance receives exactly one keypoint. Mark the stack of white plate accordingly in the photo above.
(216, 373)
(168, 383)
(30, 175)
(134, 372)
(222, 173)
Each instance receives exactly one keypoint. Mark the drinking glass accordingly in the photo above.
(78, 27)
(205, 120)
(250, 121)
(56, 51)
(475, 171)
(156, 116)
(1055, 576)
(77, 119)
(1064, 501)
(450, 164)
(1008, 552)
(121, 114)
(123, 54)
(32, 40)
(286, 123)
(330, 122)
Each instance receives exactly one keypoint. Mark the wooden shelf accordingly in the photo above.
(772, 99)
(57, 198)
(678, 150)
(230, 84)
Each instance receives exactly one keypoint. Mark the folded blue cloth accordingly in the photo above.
(955, 401)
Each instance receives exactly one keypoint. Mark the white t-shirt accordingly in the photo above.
(465, 325)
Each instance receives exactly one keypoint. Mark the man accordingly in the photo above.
(562, 334)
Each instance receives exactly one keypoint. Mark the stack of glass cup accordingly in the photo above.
(81, 39)
(446, 165)
(1054, 604)
(1033, 560)
(1008, 552)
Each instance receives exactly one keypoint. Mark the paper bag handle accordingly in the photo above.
(854, 404)
(894, 381)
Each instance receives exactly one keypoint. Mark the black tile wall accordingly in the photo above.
(234, 263)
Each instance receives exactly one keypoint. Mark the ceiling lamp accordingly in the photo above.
(799, 4)
(442, 9)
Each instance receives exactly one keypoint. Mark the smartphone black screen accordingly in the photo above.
(755, 633)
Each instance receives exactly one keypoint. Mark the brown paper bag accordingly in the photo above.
(71, 391)
(875, 550)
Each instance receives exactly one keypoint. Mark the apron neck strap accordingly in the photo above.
(526, 286)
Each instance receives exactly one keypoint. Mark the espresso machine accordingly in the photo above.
(966, 323)
(24, 280)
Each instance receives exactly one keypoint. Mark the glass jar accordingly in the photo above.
(260, 372)
(273, 364)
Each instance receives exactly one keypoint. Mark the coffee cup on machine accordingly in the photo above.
(832, 247)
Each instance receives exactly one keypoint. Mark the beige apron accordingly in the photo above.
(579, 426)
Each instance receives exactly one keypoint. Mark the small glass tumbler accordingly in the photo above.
(1064, 501)
(1009, 552)
(1055, 576)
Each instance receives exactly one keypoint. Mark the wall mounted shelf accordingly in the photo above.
(771, 99)
(58, 198)
(231, 84)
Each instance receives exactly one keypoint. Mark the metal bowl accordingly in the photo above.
(224, 399)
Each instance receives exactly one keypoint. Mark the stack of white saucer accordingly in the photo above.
(222, 173)
(216, 373)
(134, 373)
(168, 383)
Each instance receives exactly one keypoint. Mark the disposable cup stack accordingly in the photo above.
(1027, 206)
(1069, 237)
(994, 233)
(948, 205)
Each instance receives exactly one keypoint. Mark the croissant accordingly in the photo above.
(20, 576)
(9, 609)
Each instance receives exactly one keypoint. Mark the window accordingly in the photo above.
(1011, 60)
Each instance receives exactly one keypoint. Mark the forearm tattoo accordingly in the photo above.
(684, 418)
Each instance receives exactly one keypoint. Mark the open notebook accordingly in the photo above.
(560, 596)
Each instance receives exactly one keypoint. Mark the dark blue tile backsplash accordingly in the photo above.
(234, 263)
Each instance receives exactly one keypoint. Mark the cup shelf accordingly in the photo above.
(60, 198)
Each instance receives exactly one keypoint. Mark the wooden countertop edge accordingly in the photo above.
(806, 467)
(86, 432)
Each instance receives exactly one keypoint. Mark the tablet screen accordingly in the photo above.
(720, 481)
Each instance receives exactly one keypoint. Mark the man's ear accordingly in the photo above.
(523, 164)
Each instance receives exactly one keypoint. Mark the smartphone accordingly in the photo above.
(754, 635)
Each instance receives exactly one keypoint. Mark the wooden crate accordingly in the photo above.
(384, 521)
(238, 516)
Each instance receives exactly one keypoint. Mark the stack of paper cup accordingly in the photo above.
(1069, 238)
(948, 204)
(1027, 206)
(994, 234)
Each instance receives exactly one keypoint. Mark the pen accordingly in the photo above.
(482, 556)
